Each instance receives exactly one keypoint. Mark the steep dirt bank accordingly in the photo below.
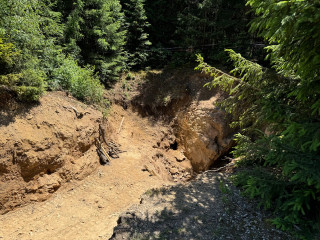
(178, 98)
(89, 209)
(43, 146)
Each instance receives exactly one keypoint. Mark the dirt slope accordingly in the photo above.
(53, 161)
(89, 209)
(44, 145)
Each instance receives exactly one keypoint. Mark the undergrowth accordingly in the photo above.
(279, 143)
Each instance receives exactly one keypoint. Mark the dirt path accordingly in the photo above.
(206, 208)
(89, 209)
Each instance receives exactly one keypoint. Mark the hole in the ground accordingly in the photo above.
(174, 146)
(223, 160)
(49, 172)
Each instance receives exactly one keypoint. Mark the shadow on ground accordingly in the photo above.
(205, 208)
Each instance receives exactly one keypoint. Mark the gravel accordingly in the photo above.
(208, 207)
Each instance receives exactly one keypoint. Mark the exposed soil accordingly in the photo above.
(48, 153)
(89, 209)
(44, 145)
(177, 97)
(207, 208)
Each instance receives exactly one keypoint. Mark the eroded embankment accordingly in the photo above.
(44, 145)
(171, 127)
(178, 99)
(89, 209)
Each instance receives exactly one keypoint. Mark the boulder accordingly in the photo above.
(204, 133)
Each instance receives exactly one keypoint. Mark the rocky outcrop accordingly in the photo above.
(44, 145)
(178, 98)
(204, 133)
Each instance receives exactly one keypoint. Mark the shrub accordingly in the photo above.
(286, 157)
(28, 83)
(81, 82)
(31, 85)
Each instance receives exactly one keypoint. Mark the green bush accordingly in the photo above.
(81, 82)
(31, 85)
(28, 83)
(286, 179)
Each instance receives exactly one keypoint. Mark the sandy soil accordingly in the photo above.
(89, 209)
(43, 145)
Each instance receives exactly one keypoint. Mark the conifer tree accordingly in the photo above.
(95, 33)
(207, 26)
(162, 16)
(136, 26)
(279, 112)
(212, 26)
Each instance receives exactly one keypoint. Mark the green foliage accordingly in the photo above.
(187, 27)
(31, 85)
(162, 16)
(73, 32)
(212, 26)
(280, 136)
(289, 181)
(137, 42)
(31, 58)
(81, 82)
(28, 84)
(95, 34)
(8, 54)
(32, 28)
(292, 28)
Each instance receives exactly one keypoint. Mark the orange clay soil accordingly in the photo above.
(89, 209)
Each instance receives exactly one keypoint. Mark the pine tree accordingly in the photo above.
(95, 34)
(162, 15)
(207, 26)
(212, 26)
(73, 23)
(137, 38)
(278, 110)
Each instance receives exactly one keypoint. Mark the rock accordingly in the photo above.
(179, 156)
(174, 171)
(204, 133)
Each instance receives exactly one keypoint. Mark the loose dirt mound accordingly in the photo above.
(44, 145)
